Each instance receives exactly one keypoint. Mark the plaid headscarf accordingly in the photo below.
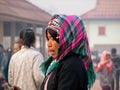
(72, 38)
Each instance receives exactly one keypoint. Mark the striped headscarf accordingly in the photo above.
(72, 38)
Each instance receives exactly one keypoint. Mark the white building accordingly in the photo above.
(103, 25)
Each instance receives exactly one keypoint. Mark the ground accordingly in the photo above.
(96, 85)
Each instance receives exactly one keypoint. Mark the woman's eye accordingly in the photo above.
(50, 38)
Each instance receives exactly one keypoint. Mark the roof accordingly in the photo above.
(105, 9)
(22, 10)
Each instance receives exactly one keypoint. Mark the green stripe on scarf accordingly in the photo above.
(91, 75)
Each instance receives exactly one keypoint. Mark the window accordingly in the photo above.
(6, 26)
(101, 31)
(18, 27)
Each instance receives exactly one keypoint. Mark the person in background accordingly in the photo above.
(116, 61)
(24, 71)
(9, 53)
(69, 66)
(2, 81)
(16, 48)
(105, 67)
(3, 84)
(3, 58)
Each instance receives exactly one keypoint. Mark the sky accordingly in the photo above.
(76, 7)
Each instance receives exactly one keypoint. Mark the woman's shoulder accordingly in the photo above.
(71, 62)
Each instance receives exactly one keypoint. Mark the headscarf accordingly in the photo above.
(105, 62)
(72, 38)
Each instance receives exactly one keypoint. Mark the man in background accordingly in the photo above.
(16, 47)
(116, 61)
(3, 58)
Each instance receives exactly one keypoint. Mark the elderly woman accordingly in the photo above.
(69, 66)
(104, 68)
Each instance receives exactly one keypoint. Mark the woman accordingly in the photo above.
(24, 69)
(69, 66)
(104, 68)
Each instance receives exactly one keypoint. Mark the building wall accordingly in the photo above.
(112, 35)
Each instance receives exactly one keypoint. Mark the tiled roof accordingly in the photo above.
(22, 10)
(105, 9)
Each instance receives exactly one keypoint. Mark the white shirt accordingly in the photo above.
(24, 70)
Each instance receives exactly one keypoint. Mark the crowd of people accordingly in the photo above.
(69, 65)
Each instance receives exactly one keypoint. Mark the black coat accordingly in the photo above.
(70, 75)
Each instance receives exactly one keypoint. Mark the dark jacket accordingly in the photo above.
(69, 75)
(116, 61)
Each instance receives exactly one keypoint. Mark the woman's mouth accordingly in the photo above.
(50, 52)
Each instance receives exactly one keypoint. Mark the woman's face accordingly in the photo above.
(52, 46)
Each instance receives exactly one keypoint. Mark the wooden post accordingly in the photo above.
(1, 32)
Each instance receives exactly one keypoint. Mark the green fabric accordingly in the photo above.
(48, 65)
(44, 66)
(91, 75)
(90, 70)
(52, 66)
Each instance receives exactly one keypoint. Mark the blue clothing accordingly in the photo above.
(5, 70)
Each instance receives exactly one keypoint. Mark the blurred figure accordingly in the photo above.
(3, 84)
(24, 71)
(1, 81)
(3, 58)
(95, 58)
(116, 61)
(105, 67)
(9, 53)
(5, 70)
(16, 47)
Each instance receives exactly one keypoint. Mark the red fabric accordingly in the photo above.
(105, 61)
